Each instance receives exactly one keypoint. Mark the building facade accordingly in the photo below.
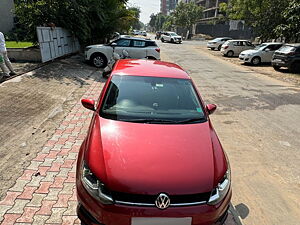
(6, 15)
(167, 6)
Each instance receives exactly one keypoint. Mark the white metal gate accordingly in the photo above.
(56, 42)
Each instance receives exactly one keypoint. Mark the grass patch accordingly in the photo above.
(14, 44)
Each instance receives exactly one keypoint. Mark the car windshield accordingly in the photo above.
(173, 34)
(152, 100)
(217, 39)
(260, 47)
(287, 49)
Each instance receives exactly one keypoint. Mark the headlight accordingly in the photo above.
(218, 194)
(95, 187)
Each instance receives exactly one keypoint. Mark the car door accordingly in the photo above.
(137, 49)
(236, 45)
(122, 44)
(267, 53)
(247, 45)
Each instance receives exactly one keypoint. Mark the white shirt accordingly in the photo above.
(2, 43)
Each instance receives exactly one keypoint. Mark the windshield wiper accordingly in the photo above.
(192, 120)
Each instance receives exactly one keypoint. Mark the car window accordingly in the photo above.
(298, 50)
(139, 44)
(248, 43)
(287, 49)
(235, 43)
(138, 98)
(123, 43)
(151, 43)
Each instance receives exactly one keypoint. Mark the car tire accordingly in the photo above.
(256, 61)
(230, 53)
(98, 60)
(219, 47)
(162, 40)
(294, 67)
(212, 49)
(172, 40)
(276, 68)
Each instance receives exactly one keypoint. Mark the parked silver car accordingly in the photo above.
(217, 43)
(235, 47)
(260, 54)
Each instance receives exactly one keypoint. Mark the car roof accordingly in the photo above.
(237, 40)
(149, 68)
(272, 43)
(294, 44)
(137, 38)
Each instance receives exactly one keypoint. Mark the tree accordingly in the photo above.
(187, 15)
(290, 28)
(89, 20)
(263, 15)
(136, 13)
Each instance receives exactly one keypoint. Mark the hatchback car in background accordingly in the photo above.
(217, 43)
(287, 56)
(151, 155)
(260, 54)
(235, 47)
(171, 37)
(137, 48)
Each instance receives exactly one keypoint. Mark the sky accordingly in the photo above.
(147, 8)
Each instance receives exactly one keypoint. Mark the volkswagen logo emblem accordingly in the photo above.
(162, 201)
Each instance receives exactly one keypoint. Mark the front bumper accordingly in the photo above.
(211, 45)
(279, 62)
(90, 211)
(245, 58)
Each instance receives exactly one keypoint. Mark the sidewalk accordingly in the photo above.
(45, 192)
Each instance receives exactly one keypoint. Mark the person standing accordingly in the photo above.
(5, 64)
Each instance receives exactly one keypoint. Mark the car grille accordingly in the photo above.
(149, 200)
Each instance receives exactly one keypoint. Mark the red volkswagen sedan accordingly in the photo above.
(151, 155)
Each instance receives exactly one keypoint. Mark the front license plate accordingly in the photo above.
(161, 221)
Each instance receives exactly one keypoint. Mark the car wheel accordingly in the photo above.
(256, 61)
(276, 67)
(230, 53)
(162, 40)
(98, 60)
(295, 67)
(212, 48)
(219, 48)
(172, 40)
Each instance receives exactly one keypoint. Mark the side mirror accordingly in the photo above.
(211, 108)
(267, 50)
(88, 103)
(113, 45)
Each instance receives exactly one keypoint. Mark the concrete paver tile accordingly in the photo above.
(3, 210)
(18, 207)
(10, 219)
(63, 172)
(27, 193)
(40, 219)
(42, 170)
(46, 207)
(47, 162)
(10, 198)
(44, 188)
(56, 216)
(68, 220)
(36, 200)
(58, 182)
(53, 194)
(72, 208)
(27, 174)
(35, 181)
(34, 165)
(19, 185)
(50, 176)
(68, 188)
(62, 200)
(27, 216)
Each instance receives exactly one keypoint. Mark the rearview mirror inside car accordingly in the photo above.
(88, 103)
(211, 108)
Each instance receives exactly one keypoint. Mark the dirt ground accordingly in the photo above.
(266, 69)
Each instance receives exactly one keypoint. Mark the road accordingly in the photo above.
(258, 122)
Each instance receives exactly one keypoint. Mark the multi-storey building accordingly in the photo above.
(167, 6)
(6, 15)
(211, 8)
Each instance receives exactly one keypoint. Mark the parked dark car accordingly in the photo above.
(287, 56)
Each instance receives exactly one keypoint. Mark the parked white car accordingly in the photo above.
(235, 47)
(143, 33)
(217, 43)
(171, 37)
(137, 48)
(260, 54)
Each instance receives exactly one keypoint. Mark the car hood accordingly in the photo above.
(176, 36)
(250, 51)
(97, 46)
(153, 158)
